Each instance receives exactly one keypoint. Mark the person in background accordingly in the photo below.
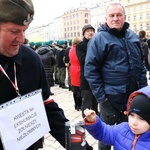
(30, 74)
(145, 48)
(26, 42)
(49, 61)
(134, 134)
(53, 46)
(32, 45)
(67, 62)
(74, 70)
(88, 99)
(148, 42)
(60, 54)
(37, 45)
(114, 66)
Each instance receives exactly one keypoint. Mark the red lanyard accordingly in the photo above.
(15, 85)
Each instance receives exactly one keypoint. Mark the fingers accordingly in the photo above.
(89, 112)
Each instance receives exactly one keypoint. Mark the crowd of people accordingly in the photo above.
(107, 74)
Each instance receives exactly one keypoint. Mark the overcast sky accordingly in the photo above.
(47, 10)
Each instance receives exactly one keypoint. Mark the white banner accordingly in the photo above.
(23, 121)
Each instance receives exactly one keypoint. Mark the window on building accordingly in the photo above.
(141, 17)
(74, 34)
(148, 5)
(86, 14)
(147, 26)
(141, 7)
(128, 18)
(134, 18)
(86, 20)
(134, 9)
(78, 33)
(148, 16)
(128, 10)
(141, 27)
(135, 28)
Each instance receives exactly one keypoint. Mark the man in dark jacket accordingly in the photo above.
(88, 99)
(114, 66)
(21, 70)
(145, 48)
(29, 75)
(60, 55)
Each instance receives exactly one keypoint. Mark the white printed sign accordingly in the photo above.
(23, 122)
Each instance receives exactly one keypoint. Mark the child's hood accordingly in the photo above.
(145, 91)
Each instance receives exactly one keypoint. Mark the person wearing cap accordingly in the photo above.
(61, 68)
(114, 66)
(32, 45)
(15, 18)
(88, 99)
(131, 135)
(26, 42)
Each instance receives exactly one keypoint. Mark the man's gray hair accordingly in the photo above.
(114, 4)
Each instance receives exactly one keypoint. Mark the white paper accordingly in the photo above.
(23, 122)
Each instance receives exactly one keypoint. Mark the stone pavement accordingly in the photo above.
(64, 98)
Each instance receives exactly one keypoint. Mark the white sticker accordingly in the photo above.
(72, 128)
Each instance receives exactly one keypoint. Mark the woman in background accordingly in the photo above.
(75, 74)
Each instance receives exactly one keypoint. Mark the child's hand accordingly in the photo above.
(90, 115)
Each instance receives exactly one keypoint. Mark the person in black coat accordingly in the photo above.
(88, 99)
(49, 61)
(145, 48)
(21, 70)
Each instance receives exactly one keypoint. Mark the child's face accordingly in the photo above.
(137, 124)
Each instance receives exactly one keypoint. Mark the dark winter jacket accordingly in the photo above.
(60, 55)
(121, 136)
(67, 60)
(114, 63)
(81, 50)
(49, 61)
(30, 77)
(145, 49)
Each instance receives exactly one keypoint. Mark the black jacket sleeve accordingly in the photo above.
(56, 119)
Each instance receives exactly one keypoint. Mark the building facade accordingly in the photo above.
(74, 20)
(138, 14)
(70, 23)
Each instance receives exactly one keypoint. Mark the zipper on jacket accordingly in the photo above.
(134, 142)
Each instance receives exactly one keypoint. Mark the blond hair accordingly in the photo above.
(76, 40)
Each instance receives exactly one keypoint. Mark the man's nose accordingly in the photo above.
(20, 37)
(115, 17)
